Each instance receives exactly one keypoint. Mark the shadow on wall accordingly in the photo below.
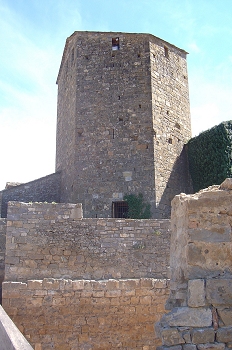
(179, 182)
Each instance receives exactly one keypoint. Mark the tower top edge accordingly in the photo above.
(129, 34)
(96, 34)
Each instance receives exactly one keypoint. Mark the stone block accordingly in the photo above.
(224, 334)
(219, 292)
(174, 347)
(171, 336)
(211, 346)
(189, 347)
(203, 335)
(188, 317)
(225, 316)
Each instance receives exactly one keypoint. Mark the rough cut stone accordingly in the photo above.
(171, 336)
(174, 347)
(224, 334)
(189, 317)
(196, 293)
(189, 347)
(219, 292)
(227, 184)
(203, 335)
(226, 316)
(211, 346)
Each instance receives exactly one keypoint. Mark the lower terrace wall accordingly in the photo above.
(74, 283)
(48, 240)
(83, 314)
(45, 189)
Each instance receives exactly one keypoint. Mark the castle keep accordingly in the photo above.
(123, 119)
(122, 122)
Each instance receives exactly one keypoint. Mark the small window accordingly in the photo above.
(177, 125)
(120, 209)
(115, 44)
(166, 54)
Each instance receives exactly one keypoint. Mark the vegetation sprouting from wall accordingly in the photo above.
(210, 156)
(137, 208)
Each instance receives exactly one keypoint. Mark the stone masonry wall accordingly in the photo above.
(201, 272)
(45, 189)
(83, 314)
(52, 240)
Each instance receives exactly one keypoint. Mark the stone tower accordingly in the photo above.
(123, 120)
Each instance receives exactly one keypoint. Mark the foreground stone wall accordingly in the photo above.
(45, 189)
(53, 240)
(76, 314)
(201, 272)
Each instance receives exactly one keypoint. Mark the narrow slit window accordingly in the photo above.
(115, 44)
(166, 54)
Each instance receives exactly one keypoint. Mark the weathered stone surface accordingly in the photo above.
(102, 313)
(174, 347)
(227, 184)
(196, 293)
(189, 347)
(57, 245)
(211, 346)
(203, 335)
(186, 336)
(219, 292)
(190, 317)
(224, 334)
(225, 316)
(171, 336)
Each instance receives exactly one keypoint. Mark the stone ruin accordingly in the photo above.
(201, 272)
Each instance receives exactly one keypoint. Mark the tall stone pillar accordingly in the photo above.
(201, 272)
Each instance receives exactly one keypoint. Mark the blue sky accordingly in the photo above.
(33, 34)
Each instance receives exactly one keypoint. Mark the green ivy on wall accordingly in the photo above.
(210, 156)
(137, 208)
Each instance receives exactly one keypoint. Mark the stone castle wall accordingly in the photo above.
(201, 272)
(84, 314)
(45, 189)
(53, 240)
(73, 283)
(119, 113)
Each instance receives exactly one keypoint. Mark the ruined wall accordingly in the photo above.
(84, 314)
(201, 271)
(113, 106)
(45, 189)
(52, 240)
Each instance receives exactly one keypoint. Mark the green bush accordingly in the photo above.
(137, 208)
(210, 156)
